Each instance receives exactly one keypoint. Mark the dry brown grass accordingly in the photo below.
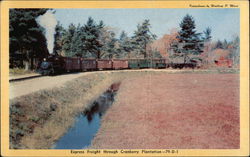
(39, 119)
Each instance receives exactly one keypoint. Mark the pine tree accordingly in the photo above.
(225, 44)
(207, 34)
(109, 42)
(123, 36)
(77, 44)
(142, 37)
(219, 45)
(58, 43)
(188, 37)
(91, 43)
(26, 37)
(125, 45)
(67, 41)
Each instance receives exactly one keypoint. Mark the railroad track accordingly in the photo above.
(21, 78)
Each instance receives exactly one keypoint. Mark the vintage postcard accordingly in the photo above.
(125, 78)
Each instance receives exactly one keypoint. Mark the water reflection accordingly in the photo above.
(88, 123)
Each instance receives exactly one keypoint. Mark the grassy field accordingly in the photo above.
(38, 120)
(173, 111)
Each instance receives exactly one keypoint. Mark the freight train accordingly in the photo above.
(55, 64)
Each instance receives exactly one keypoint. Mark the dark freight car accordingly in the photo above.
(88, 64)
(158, 63)
(76, 63)
(72, 64)
(139, 63)
(144, 63)
(133, 64)
(103, 64)
(120, 64)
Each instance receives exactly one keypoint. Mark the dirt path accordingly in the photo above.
(184, 111)
(25, 87)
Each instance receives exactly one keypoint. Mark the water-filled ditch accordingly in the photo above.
(88, 122)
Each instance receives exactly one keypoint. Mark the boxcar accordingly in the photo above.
(158, 63)
(76, 64)
(88, 64)
(139, 63)
(144, 63)
(103, 64)
(120, 64)
(72, 64)
(68, 64)
(133, 64)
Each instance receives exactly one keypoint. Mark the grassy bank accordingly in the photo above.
(39, 119)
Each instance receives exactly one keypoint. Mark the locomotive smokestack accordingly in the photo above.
(48, 22)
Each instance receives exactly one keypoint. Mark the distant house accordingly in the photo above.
(220, 57)
(223, 62)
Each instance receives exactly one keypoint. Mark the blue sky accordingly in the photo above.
(225, 23)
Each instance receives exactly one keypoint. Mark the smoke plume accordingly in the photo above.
(48, 22)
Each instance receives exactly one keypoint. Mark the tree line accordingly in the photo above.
(94, 39)
(26, 37)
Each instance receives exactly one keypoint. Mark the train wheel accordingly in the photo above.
(51, 71)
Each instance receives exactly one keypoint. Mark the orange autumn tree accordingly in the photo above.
(163, 44)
